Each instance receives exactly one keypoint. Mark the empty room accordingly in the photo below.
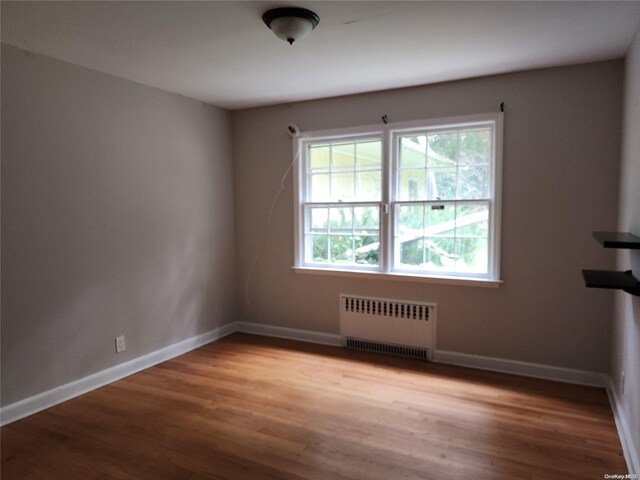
(349, 240)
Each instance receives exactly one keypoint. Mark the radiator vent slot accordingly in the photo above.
(397, 327)
(387, 348)
(386, 308)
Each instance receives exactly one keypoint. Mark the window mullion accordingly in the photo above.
(353, 234)
(386, 215)
(329, 234)
(331, 170)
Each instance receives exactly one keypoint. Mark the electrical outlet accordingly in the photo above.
(120, 345)
(622, 384)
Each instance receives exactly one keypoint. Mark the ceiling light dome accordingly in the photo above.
(291, 24)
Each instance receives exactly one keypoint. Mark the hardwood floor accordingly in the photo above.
(249, 407)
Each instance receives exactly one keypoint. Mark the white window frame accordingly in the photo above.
(388, 134)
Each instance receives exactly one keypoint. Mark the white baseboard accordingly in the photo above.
(525, 369)
(44, 400)
(290, 333)
(630, 450)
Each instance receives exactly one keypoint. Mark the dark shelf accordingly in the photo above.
(609, 279)
(617, 239)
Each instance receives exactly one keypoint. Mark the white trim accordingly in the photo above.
(526, 369)
(386, 226)
(401, 277)
(496, 179)
(631, 452)
(29, 406)
(289, 333)
(298, 237)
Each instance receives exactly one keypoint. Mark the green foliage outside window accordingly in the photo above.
(352, 235)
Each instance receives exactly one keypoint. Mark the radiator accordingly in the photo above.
(396, 327)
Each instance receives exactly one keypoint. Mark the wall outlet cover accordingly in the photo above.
(120, 344)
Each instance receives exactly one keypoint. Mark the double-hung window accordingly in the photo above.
(419, 199)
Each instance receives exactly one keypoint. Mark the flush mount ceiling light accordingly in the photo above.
(290, 23)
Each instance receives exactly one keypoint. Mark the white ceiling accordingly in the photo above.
(222, 53)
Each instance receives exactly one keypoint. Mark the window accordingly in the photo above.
(416, 199)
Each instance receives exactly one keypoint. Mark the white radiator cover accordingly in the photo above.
(388, 321)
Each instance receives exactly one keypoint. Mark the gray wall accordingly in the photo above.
(626, 337)
(117, 219)
(561, 158)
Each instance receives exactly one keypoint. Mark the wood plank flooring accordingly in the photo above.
(249, 407)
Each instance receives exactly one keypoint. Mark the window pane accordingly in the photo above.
(440, 220)
(344, 171)
(319, 158)
(319, 186)
(412, 185)
(443, 148)
(409, 233)
(472, 232)
(442, 183)
(317, 248)
(443, 238)
(369, 154)
(440, 253)
(472, 255)
(413, 151)
(341, 248)
(410, 220)
(343, 157)
(368, 186)
(473, 182)
(319, 219)
(411, 253)
(472, 221)
(342, 187)
(366, 218)
(367, 250)
(343, 235)
(475, 147)
(340, 219)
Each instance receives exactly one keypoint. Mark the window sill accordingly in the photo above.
(401, 277)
